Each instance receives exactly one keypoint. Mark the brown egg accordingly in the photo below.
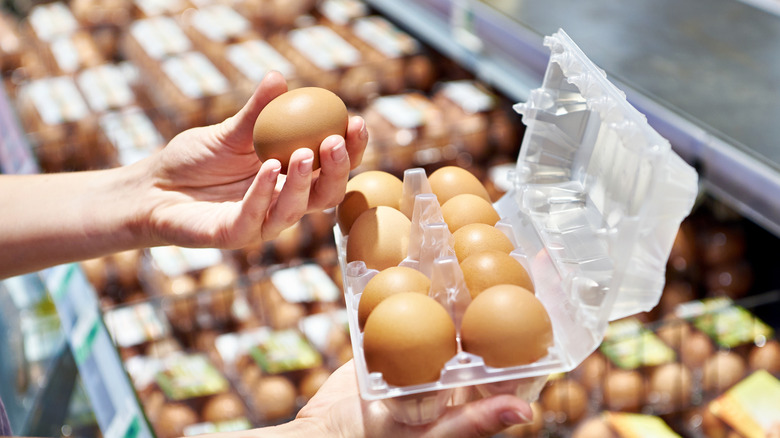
(682, 256)
(274, 398)
(218, 276)
(507, 326)
(567, 399)
(490, 268)
(766, 357)
(127, 265)
(450, 181)
(592, 370)
(624, 390)
(733, 280)
(671, 387)
(467, 209)
(675, 293)
(312, 381)
(711, 425)
(367, 190)
(722, 371)
(475, 238)
(173, 418)
(96, 272)
(388, 282)
(528, 429)
(379, 237)
(595, 427)
(299, 118)
(673, 331)
(696, 349)
(408, 338)
(223, 407)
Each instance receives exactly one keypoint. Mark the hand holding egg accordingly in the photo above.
(207, 187)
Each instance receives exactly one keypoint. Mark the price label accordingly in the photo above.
(83, 335)
(124, 425)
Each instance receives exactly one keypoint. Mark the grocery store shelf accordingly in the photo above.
(704, 81)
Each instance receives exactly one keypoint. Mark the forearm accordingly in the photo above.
(51, 219)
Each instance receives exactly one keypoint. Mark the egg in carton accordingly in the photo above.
(11, 43)
(130, 134)
(247, 62)
(340, 12)
(407, 130)
(59, 123)
(481, 126)
(596, 202)
(274, 16)
(184, 393)
(211, 28)
(105, 20)
(400, 60)
(156, 8)
(325, 59)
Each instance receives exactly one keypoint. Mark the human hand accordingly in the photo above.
(208, 188)
(338, 411)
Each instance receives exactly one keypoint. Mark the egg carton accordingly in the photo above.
(597, 199)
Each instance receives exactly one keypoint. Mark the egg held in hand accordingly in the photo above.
(299, 118)
(408, 338)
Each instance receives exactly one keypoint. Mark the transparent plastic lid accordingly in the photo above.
(596, 190)
(596, 199)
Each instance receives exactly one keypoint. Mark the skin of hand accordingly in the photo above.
(209, 188)
(338, 411)
(205, 188)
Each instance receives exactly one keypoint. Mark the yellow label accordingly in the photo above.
(751, 407)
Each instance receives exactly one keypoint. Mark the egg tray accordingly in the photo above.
(597, 199)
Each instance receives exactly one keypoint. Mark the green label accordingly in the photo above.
(62, 286)
(236, 425)
(83, 336)
(630, 345)
(733, 326)
(185, 377)
(285, 350)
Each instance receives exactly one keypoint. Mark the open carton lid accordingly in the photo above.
(597, 199)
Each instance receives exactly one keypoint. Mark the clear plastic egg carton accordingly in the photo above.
(597, 199)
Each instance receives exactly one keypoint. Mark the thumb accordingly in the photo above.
(483, 418)
(237, 130)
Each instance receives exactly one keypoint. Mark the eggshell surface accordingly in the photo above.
(476, 238)
(379, 237)
(389, 282)
(491, 268)
(465, 209)
(299, 118)
(507, 326)
(408, 338)
(450, 181)
(367, 190)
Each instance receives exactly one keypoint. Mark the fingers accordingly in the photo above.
(293, 199)
(357, 138)
(238, 129)
(330, 185)
(485, 417)
(258, 198)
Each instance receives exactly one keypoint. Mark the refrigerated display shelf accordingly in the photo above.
(702, 71)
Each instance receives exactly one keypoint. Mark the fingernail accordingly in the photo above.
(275, 172)
(513, 417)
(363, 130)
(304, 168)
(339, 152)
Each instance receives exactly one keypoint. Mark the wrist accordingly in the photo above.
(298, 428)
